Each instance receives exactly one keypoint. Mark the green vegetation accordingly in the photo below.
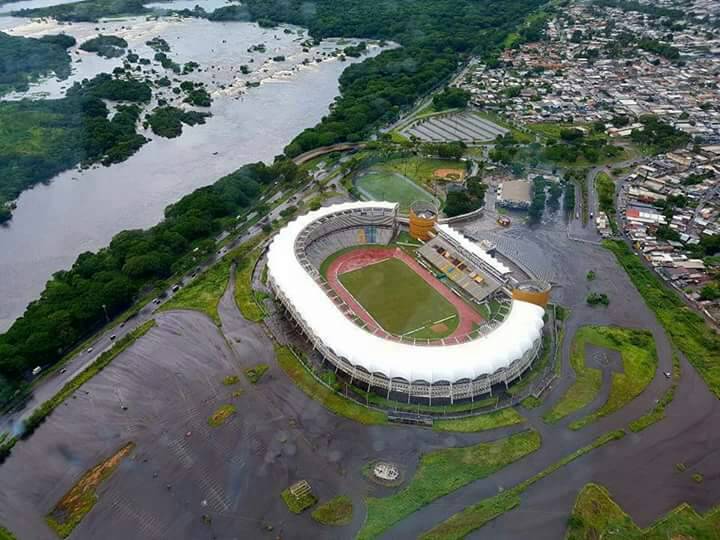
(639, 359)
(597, 515)
(697, 478)
(587, 380)
(105, 46)
(605, 187)
(435, 36)
(167, 121)
(81, 497)
(591, 275)
(686, 328)
(6, 534)
(40, 138)
(331, 400)
(230, 380)
(492, 420)
(442, 472)
(87, 10)
(657, 413)
(101, 362)
(463, 201)
(71, 307)
(659, 137)
(255, 373)
(451, 98)
(400, 300)
(473, 517)
(537, 206)
(205, 292)
(245, 296)
(380, 185)
(337, 511)
(597, 299)
(536, 370)
(298, 505)
(221, 415)
(26, 60)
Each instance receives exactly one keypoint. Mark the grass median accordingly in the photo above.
(597, 515)
(334, 402)
(336, 512)
(442, 472)
(473, 517)
(657, 413)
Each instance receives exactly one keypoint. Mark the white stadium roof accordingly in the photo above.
(483, 355)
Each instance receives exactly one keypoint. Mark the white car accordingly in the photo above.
(90, 350)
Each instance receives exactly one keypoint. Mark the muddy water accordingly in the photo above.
(81, 210)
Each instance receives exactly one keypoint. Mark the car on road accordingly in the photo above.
(112, 338)
(90, 350)
(176, 288)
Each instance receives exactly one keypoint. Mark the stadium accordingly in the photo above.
(405, 305)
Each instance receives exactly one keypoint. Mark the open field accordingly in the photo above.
(420, 170)
(597, 515)
(380, 185)
(441, 472)
(401, 301)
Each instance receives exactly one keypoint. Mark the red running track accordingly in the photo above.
(361, 258)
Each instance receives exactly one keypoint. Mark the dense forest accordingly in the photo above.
(50, 136)
(24, 60)
(436, 35)
(72, 303)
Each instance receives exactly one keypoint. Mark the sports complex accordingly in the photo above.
(405, 304)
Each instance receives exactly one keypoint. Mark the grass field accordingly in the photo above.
(597, 515)
(473, 517)
(639, 360)
(400, 300)
(686, 328)
(482, 422)
(441, 472)
(332, 401)
(381, 185)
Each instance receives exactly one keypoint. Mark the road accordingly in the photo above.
(53, 382)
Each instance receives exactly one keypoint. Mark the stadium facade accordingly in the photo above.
(450, 369)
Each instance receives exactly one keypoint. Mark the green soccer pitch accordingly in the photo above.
(400, 300)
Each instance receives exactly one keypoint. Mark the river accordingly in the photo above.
(82, 210)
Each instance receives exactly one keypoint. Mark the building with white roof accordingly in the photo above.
(452, 368)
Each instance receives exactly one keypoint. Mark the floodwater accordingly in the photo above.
(82, 210)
